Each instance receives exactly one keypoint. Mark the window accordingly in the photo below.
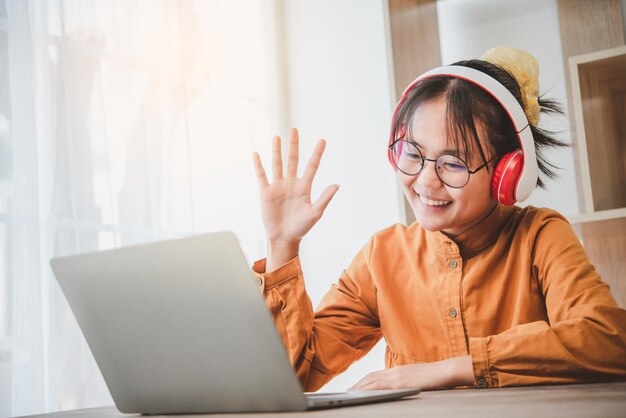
(120, 122)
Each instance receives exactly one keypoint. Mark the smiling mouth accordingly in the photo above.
(430, 202)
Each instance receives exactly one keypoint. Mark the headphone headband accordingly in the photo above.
(530, 171)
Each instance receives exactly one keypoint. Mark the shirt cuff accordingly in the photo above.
(480, 363)
(286, 272)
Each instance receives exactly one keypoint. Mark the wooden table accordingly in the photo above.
(589, 401)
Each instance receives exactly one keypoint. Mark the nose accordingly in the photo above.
(428, 177)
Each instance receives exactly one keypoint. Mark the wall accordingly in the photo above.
(338, 78)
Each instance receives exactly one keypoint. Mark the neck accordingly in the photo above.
(478, 221)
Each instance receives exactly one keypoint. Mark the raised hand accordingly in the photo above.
(286, 206)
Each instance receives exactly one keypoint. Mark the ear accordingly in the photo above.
(401, 134)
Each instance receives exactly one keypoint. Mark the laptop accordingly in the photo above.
(180, 326)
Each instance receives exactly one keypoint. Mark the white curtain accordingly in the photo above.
(120, 122)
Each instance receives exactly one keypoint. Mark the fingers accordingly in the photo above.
(277, 159)
(359, 385)
(372, 381)
(320, 206)
(367, 383)
(314, 161)
(292, 162)
(259, 170)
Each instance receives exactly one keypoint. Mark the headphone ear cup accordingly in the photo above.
(505, 177)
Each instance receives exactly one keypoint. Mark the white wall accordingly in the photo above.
(468, 28)
(339, 89)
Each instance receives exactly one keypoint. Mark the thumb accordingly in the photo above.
(320, 205)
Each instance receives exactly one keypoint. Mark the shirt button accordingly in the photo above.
(453, 313)
(482, 383)
(452, 264)
(259, 281)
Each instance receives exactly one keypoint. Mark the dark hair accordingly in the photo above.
(466, 103)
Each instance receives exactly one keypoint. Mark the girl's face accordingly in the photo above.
(438, 207)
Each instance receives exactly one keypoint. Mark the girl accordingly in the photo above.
(477, 292)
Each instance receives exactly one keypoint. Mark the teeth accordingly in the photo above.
(434, 202)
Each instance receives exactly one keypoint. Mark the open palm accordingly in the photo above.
(286, 206)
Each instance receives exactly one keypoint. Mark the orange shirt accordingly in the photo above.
(516, 291)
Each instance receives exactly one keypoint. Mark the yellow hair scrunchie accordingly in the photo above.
(523, 66)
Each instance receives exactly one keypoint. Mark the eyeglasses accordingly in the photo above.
(451, 170)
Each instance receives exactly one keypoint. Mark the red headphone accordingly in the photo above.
(516, 174)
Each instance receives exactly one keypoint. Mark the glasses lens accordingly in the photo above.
(452, 171)
(407, 157)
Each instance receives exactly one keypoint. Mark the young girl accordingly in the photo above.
(477, 292)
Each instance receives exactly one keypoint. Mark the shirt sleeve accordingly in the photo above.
(322, 344)
(584, 339)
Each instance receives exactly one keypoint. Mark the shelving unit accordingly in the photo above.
(599, 100)
(598, 86)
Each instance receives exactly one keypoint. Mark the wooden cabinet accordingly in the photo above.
(598, 87)
(599, 104)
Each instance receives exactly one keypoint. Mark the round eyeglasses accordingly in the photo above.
(451, 170)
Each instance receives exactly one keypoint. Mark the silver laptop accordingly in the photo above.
(180, 326)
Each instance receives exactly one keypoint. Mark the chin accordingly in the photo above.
(431, 226)
(426, 222)
(428, 228)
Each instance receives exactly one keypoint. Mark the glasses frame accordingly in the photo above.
(424, 159)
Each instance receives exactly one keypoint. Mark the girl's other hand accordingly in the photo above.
(444, 374)
(286, 207)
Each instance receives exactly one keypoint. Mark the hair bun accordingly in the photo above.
(523, 66)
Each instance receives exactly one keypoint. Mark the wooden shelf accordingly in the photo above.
(598, 85)
(599, 101)
(603, 215)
